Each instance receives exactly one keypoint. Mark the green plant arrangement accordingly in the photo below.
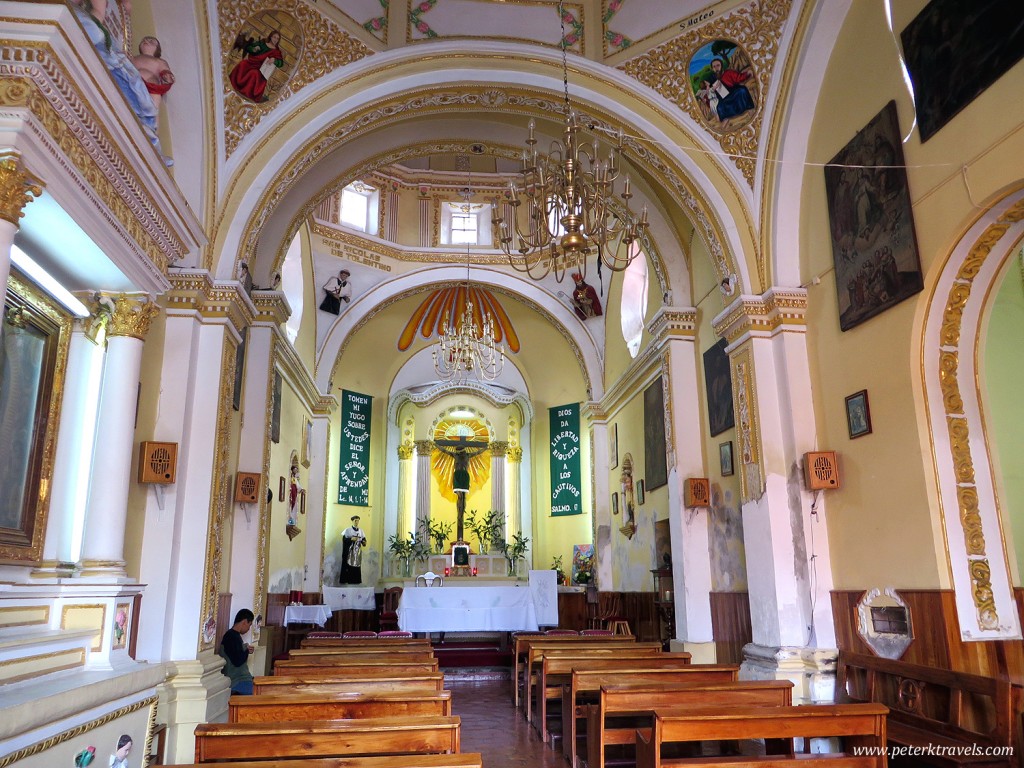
(438, 532)
(556, 566)
(486, 528)
(406, 550)
(514, 550)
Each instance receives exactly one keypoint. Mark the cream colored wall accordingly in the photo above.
(884, 522)
(1003, 370)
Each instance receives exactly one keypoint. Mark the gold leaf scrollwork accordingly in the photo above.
(949, 363)
(515, 454)
(953, 316)
(976, 258)
(984, 600)
(18, 187)
(405, 451)
(132, 317)
(963, 464)
(974, 536)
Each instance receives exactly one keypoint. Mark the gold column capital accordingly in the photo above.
(424, 447)
(499, 448)
(515, 454)
(18, 187)
(405, 451)
(132, 316)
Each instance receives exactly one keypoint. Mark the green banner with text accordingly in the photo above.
(566, 490)
(354, 473)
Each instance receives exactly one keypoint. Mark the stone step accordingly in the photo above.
(29, 652)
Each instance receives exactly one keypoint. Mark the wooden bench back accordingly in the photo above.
(360, 650)
(326, 738)
(337, 706)
(351, 669)
(525, 642)
(366, 683)
(967, 708)
(464, 760)
(639, 695)
(373, 657)
(860, 725)
(370, 642)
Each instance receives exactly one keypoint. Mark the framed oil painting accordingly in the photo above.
(655, 454)
(641, 493)
(954, 51)
(858, 415)
(236, 401)
(718, 381)
(874, 245)
(263, 55)
(307, 443)
(615, 503)
(275, 409)
(724, 85)
(613, 446)
(725, 458)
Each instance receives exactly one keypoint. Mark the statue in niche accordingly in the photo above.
(154, 70)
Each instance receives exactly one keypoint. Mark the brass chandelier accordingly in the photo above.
(466, 346)
(571, 210)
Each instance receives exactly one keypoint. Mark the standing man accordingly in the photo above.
(236, 651)
(352, 542)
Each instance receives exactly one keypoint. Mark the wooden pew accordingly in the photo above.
(964, 712)
(352, 668)
(267, 708)
(361, 657)
(374, 682)
(326, 738)
(536, 652)
(365, 642)
(859, 725)
(360, 650)
(525, 642)
(463, 760)
(556, 669)
(635, 695)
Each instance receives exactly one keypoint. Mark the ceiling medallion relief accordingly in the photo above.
(642, 155)
(675, 69)
(270, 55)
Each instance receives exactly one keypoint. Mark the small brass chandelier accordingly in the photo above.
(466, 346)
(571, 209)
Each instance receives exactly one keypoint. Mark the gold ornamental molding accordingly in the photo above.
(957, 425)
(405, 451)
(515, 454)
(778, 310)
(271, 308)
(424, 447)
(195, 291)
(666, 398)
(132, 316)
(325, 48)
(499, 448)
(446, 101)
(748, 428)
(259, 600)
(757, 27)
(18, 187)
(671, 323)
(34, 81)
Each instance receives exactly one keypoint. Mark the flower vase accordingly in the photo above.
(513, 567)
(406, 567)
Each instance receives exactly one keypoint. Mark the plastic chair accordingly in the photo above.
(360, 633)
(430, 579)
(388, 619)
(394, 633)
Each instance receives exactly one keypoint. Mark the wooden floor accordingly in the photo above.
(492, 726)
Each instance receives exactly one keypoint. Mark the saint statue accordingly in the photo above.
(353, 539)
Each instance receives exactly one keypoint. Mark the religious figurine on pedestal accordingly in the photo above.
(353, 539)
(584, 299)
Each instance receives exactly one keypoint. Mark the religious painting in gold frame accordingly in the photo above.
(34, 338)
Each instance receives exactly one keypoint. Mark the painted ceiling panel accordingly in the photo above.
(534, 22)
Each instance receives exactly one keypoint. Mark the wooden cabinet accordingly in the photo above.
(664, 601)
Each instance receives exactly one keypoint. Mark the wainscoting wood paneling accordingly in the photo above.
(730, 625)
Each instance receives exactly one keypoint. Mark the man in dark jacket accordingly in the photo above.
(236, 652)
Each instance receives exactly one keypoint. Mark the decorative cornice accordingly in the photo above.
(195, 291)
(271, 307)
(778, 310)
(673, 322)
(132, 316)
(18, 187)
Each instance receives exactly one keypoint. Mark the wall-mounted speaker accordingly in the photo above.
(821, 471)
(247, 487)
(157, 462)
(697, 492)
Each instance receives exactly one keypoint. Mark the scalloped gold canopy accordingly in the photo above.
(437, 310)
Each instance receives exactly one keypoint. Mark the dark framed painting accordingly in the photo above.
(613, 446)
(954, 51)
(655, 452)
(239, 370)
(275, 409)
(858, 414)
(718, 381)
(874, 244)
(725, 458)
(615, 503)
(641, 493)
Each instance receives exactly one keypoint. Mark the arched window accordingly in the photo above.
(634, 300)
(292, 285)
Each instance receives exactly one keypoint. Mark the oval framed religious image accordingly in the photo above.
(724, 84)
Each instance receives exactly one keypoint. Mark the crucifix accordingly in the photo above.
(461, 450)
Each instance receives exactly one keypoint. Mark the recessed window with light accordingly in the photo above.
(359, 206)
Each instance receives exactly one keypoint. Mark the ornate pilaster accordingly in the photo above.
(424, 450)
(107, 509)
(771, 380)
(405, 490)
(18, 188)
(499, 450)
(514, 511)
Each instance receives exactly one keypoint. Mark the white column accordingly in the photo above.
(499, 450)
(789, 568)
(424, 450)
(73, 457)
(316, 505)
(107, 510)
(600, 492)
(405, 522)
(676, 330)
(18, 188)
(514, 508)
(526, 488)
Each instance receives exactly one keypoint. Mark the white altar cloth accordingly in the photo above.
(467, 609)
(349, 598)
(306, 614)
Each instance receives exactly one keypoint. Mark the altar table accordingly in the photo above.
(349, 598)
(467, 609)
(306, 614)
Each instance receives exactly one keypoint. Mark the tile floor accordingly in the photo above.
(492, 726)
